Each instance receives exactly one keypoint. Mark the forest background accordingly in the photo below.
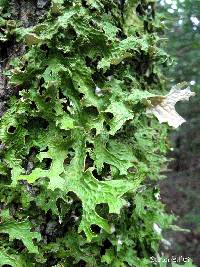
(182, 21)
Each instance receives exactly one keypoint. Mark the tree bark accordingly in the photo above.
(26, 14)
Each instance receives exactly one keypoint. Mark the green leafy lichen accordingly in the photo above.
(77, 145)
(21, 230)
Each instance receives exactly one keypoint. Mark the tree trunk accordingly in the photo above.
(26, 13)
